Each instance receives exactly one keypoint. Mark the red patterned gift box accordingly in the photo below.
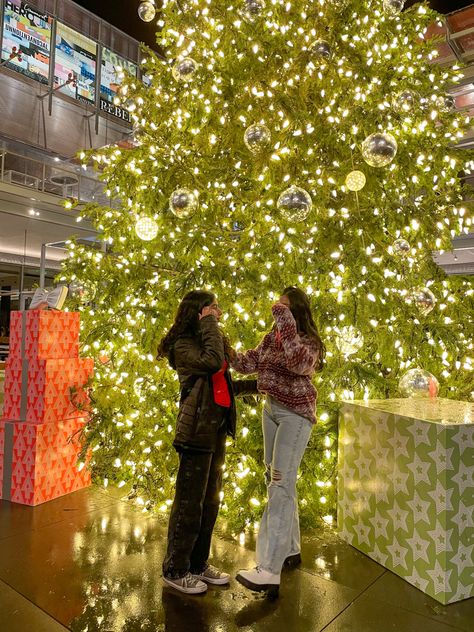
(39, 391)
(42, 334)
(40, 462)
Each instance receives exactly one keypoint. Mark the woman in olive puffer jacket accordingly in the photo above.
(197, 350)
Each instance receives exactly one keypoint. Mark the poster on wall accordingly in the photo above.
(76, 57)
(110, 82)
(26, 40)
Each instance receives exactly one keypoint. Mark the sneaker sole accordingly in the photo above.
(271, 589)
(186, 591)
(214, 582)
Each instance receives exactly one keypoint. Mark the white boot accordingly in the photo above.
(259, 579)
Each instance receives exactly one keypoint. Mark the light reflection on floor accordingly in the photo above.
(93, 563)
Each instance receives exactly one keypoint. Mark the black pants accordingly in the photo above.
(194, 511)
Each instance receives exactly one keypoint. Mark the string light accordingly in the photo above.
(355, 181)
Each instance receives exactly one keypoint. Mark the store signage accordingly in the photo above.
(26, 48)
(26, 44)
(76, 55)
(115, 110)
(110, 81)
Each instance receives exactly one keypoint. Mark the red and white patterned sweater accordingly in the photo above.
(284, 362)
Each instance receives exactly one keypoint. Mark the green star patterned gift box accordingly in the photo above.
(406, 490)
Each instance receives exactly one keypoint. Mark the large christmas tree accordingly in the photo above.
(276, 143)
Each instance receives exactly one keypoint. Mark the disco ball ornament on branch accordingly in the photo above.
(257, 137)
(379, 149)
(185, 69)
(418, 383)
(295, 204)
(146, 11)
(394, 7)
(401, 248)
(424, 300)
(253, 9)
(146, 228)
(446, 103)
(320, 49)
(183, 203)
(405, 101)
(355, 181)
(80, 292)
(349, 340)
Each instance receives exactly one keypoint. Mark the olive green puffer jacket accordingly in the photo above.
(196, 358)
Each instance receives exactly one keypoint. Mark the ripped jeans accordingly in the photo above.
(286, 435)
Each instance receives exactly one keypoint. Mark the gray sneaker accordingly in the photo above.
(190, 584)
(212, 575)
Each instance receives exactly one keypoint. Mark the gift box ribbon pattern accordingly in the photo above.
(39, 462)
(39, 391)
(44, 334)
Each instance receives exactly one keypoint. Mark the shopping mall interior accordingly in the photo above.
(90, 561)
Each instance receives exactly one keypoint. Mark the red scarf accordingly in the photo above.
(221, 388)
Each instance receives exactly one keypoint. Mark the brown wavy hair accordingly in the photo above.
(300, 307)
(186, 323)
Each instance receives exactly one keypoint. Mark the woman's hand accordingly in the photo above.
(209, 310)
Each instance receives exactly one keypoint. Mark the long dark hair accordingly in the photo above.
(186, 321)
(300, 307)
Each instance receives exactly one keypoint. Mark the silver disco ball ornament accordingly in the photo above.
(424, 299)
(379, 149)
(393, 6)
(253, 9)
(146, 11)
(349, 340)
(418, 383)
(405, 101)
(146, 228)
(401, 247)
(183, 203)
(446, 103)
(81, 292)
(295, 204)
(257, 137)
(185, 69)
(320, 49)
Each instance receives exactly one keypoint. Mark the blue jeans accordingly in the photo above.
(286, 435)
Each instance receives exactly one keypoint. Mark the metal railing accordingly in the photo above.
(44, 177)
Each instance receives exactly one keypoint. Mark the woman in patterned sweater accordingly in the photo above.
(284, 362)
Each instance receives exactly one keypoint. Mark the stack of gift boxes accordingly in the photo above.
(45, 408)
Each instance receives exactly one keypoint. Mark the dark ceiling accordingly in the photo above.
(124, 15)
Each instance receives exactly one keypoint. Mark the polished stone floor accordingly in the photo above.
(91, 562)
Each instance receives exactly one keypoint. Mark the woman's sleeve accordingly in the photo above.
(245, 387)
(206, 358)
(247, 362)
(300, 357)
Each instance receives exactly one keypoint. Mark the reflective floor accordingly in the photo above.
(90, 562)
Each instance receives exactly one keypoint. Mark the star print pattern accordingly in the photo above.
(379, 524)
(406, 491)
